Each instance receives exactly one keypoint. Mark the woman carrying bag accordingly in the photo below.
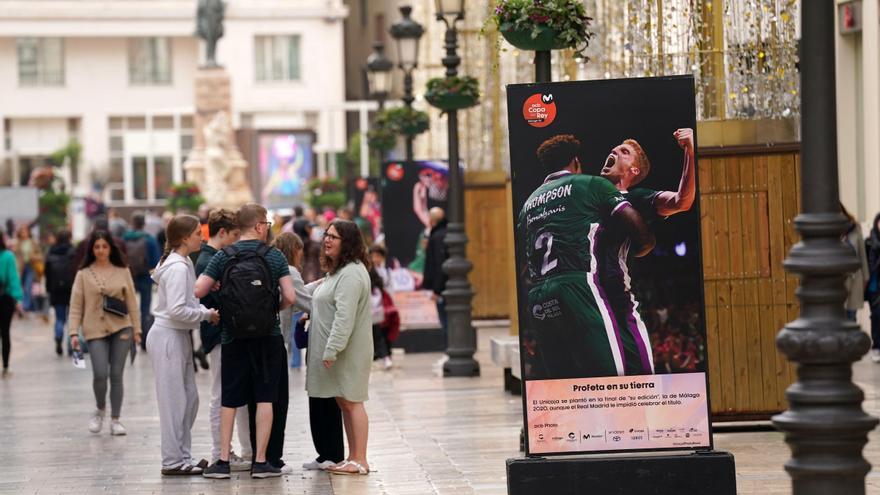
(10, 299)
(104, 304)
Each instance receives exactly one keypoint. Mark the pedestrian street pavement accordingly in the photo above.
(428, 434)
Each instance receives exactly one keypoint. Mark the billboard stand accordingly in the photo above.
(612, 337)
(709, 473)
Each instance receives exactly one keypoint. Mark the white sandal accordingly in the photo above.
(337, 469)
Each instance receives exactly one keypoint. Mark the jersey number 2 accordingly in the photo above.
(547, 264)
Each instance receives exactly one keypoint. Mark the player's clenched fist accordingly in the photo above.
(685, 138)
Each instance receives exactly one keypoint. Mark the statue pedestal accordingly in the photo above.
(215, 163)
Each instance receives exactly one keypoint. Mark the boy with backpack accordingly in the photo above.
(252, 278)
(143, 254)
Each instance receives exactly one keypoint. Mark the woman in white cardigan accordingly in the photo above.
(169, 344)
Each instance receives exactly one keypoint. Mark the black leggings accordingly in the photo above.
(7, 309)
(325, 419)
(275, 447)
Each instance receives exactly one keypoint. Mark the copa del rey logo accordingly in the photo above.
(539, 110)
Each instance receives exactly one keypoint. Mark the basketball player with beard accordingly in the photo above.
(626, 166)
(571, 331)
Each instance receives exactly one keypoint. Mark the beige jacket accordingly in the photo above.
(86, 304)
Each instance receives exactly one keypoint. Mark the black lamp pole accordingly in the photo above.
(407, 32)
(462, 340)
(825, 425)
(378, 70)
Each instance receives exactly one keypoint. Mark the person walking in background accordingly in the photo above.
(311, 266)
(223, 231)
(378, 257)
(143, 253)
(872, 292)
(253, 279)
(435, 278)
(104, 304)
(28, 255)
(857, 280)
(386, 320)
(10, 299)
(60, 272)
(170, 346)
(341, 338)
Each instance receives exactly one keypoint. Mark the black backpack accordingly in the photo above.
(249, 293)
(61, 273)
(136, 251)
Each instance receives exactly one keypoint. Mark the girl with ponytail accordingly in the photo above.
(170, 347)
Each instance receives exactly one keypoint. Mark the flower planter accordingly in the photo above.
(547, 39)
(450, 101)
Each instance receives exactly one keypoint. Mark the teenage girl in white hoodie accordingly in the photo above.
(169, 344)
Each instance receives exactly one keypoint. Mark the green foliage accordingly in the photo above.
(566, 21)
(326, 193)
(353, 157)
(404, 120)
(185, 197)
(72, 150)
(453, 93)
(381, 137)
(53, 205)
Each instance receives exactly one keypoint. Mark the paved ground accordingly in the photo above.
(427, 434)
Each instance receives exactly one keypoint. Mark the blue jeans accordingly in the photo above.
(27, 284)
(295, 354)
(144, 288)
(60, 320)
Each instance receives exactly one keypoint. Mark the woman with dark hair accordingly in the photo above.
(311, 266)
(872, 292)
(341, 337)
(857, 280)
(10, 299)
(104, 304)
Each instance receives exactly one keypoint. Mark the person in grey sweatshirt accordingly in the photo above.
(170, 348)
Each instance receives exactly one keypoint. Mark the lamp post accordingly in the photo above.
(378, 71)
(462, 338)
(407, 32)
(825, 425)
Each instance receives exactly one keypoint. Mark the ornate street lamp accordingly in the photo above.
(462, 340)
(379, 74)
(825, 425)
(407, 32)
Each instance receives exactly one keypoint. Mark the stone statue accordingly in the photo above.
(209, 26)
(219, 168)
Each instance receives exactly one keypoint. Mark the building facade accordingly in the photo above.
(119, 78)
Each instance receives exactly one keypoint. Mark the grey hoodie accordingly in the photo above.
(176, 303)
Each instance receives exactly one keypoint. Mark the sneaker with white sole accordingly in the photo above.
(317, 466)
(265, 470)
(116, 428)
(97, 421)
(237, 463)
(875, 355)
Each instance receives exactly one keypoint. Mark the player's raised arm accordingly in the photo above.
(641, 238)
(672, 202)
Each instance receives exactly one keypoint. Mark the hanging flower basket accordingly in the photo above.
(326, 193)
(538, 38)
(184, 196)
(543, 24)
(381, 137)
(404, 120)
(452, 93)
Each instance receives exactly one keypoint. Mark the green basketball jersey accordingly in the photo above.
(555, 222)
(642, 199)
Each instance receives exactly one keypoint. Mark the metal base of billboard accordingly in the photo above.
(710, 473)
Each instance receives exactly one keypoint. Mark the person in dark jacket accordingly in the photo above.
(311, 251)
(435, 254)
(143, 253)
(60, 272)
(872, 292)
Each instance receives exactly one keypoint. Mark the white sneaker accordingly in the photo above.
(116, 428)
(97, 421)
(387, 363)
(237, 463)
(317, 466)
(875, 355)
(286, 469)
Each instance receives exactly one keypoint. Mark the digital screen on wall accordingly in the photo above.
(286, 164)
(609, 272)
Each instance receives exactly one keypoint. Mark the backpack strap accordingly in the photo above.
(263, 250)
(230, 251)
